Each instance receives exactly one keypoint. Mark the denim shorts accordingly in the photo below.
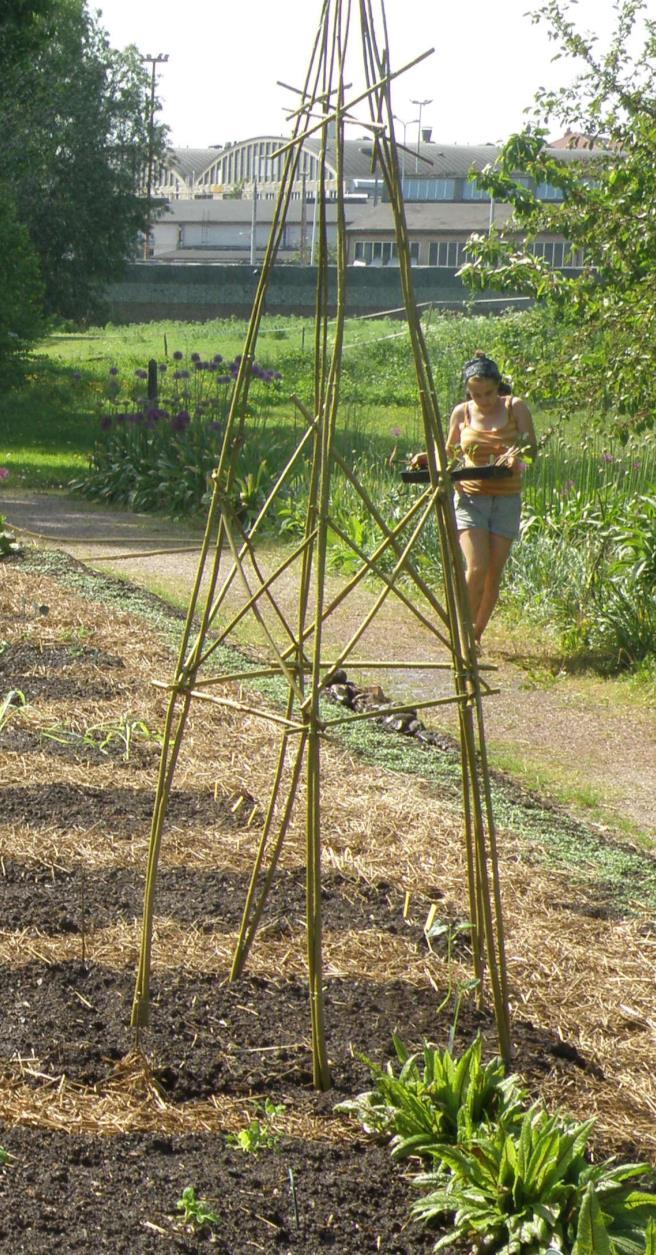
(496, 513)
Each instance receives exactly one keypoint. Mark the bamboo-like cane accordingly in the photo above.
(299, 659)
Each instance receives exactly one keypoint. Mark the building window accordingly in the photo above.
(557, 253)
(382, 252)
(429, 189)
(472, 191)
(448, 253)
(547, 191)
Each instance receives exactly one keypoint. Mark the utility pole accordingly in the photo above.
(420, 105)
(254, 223)
(405, 126)
(148, 59)
(303, 242)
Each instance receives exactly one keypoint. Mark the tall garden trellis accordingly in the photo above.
(295, 651)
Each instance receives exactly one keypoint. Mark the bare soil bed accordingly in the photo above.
(105, 1132)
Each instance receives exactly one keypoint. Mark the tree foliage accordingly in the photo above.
(606, 311)
(20, 283)
(74, 114)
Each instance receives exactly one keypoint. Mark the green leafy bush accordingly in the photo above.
(533, 1189)
(435, 1098)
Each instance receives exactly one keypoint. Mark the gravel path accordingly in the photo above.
(582, 732)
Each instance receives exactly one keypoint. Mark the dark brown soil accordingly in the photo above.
(80, 1191)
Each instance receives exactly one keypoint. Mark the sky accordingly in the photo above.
(220, 82)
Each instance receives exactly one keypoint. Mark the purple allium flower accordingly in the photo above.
(224, 378)
(162, 368)
(215, 426)
(395, 432)
(213, 366)
(607, 457)
(76, 376)
(136, 418)
(636, 465)
(4, 473)
(178, 356)
(218, 357)
(185, 374)
(180, 421)
(194, 357)
(105, 422)
(113, 370)
(141, 374)
(120, 418)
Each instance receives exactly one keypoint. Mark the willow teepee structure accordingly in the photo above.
(293, 648)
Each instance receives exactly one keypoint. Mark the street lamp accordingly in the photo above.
(153, 62)
(405, 126)
(420, 105)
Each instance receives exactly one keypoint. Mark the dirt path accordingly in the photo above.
(572, 735)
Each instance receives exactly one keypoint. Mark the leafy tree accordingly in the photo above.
(606, 350)
(75, 121)
(21, 30)
(20, 284)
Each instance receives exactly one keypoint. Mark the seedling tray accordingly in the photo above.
(422, 476)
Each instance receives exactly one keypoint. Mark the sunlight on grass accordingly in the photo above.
(570, 788)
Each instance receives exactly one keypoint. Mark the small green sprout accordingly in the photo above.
(259, 1134)
(9, 704)
(4, 1156)
(196, 1212)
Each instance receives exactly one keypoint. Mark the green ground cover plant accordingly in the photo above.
(513, 1179)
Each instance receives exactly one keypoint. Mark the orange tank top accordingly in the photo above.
(481, 448)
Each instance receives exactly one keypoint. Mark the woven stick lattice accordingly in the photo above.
(295, 650)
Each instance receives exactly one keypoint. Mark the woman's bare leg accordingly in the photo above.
(499, 550)
(475, 548)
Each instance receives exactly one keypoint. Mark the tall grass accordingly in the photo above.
(585, 569)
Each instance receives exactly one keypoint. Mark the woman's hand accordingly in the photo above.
(418, 461)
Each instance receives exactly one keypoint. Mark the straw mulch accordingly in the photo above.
(591, 980)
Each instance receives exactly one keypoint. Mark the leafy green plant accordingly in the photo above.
(9, 704)
(532, 1189)
(196, 1212)
(124, 732)
(436, 1098)
(4, 1157)
(445, 934)
(260, 1134)
(8, 543)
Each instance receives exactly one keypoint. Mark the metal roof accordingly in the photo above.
(435, 160)
(190, 162)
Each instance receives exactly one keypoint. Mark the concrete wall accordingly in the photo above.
(151, 291)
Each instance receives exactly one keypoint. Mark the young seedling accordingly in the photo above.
(259, 1134)
(9, 704)
(196, 1212)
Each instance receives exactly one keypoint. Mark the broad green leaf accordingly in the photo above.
(591, 1232)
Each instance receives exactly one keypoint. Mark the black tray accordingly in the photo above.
(463, 472)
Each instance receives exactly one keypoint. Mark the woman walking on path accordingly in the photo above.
(491, 427)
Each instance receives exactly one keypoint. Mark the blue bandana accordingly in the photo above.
(481, 367)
